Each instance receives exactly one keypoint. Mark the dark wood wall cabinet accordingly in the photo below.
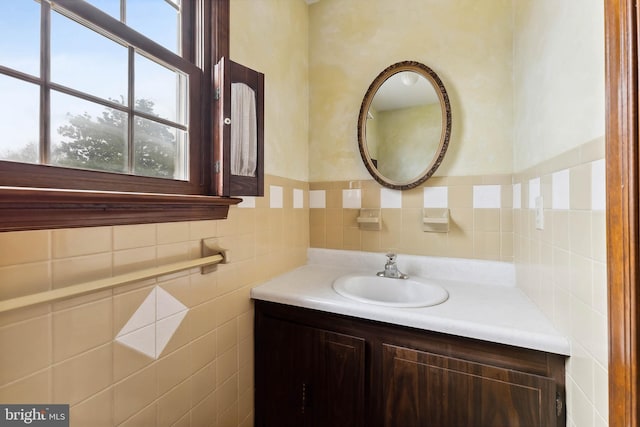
(247, 142)
(319, 369)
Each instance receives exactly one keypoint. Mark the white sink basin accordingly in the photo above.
(412, 292)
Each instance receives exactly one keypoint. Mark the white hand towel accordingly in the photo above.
(244, 135)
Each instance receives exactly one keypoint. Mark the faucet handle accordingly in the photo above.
(391, 256)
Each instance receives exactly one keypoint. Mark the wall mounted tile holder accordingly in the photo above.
(211, 259)
(435, 220)
(369, 219)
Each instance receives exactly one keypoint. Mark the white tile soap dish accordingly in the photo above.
(369, 219)
(435, 220)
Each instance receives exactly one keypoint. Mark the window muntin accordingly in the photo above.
(111, 7)
(158, 20)
(105, 101)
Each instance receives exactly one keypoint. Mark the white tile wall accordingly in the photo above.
(598, 185)
(275, 197)
(534, 192)
(318, 199)
(563, 269)
(142, 340)
(487, 196)
(298, 198)
(145, 315)
(390, 198)
(436, 197)
(153, 324)
(352, 199)
(560, 190)
(165, 328)
(517, 196)
(247, 202)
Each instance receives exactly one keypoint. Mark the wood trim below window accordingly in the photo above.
(36, 208)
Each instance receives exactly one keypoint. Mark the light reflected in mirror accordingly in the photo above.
(404, 125)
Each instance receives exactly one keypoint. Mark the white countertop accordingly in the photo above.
(488, 307)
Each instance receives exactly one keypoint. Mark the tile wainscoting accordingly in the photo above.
(563, 269)
(480, 208)
(199, 370)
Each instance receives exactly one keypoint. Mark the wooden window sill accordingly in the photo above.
(37, 208)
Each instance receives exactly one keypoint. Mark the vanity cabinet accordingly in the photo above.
(319, 369)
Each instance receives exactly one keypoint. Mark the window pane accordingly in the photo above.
(19, 118)
(158, 20)
(159, 90)
(20, 36)
(159, 150)
(87, 61)
(112, 7)
(86, 135)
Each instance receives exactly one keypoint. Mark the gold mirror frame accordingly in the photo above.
(445, 106)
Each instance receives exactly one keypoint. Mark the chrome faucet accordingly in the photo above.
(391, 269)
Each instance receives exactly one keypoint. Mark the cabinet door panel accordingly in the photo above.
(307, 376)
(283, 373)
(341, 380)
(425, 389)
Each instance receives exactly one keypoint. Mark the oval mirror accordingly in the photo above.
(404, 125)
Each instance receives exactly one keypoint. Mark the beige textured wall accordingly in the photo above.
(271, 36)
(466, 42)
(558, 71)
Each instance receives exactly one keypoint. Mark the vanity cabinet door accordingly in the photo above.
(425, 389)
(307, 376)
(341, 377)
(284, 373)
